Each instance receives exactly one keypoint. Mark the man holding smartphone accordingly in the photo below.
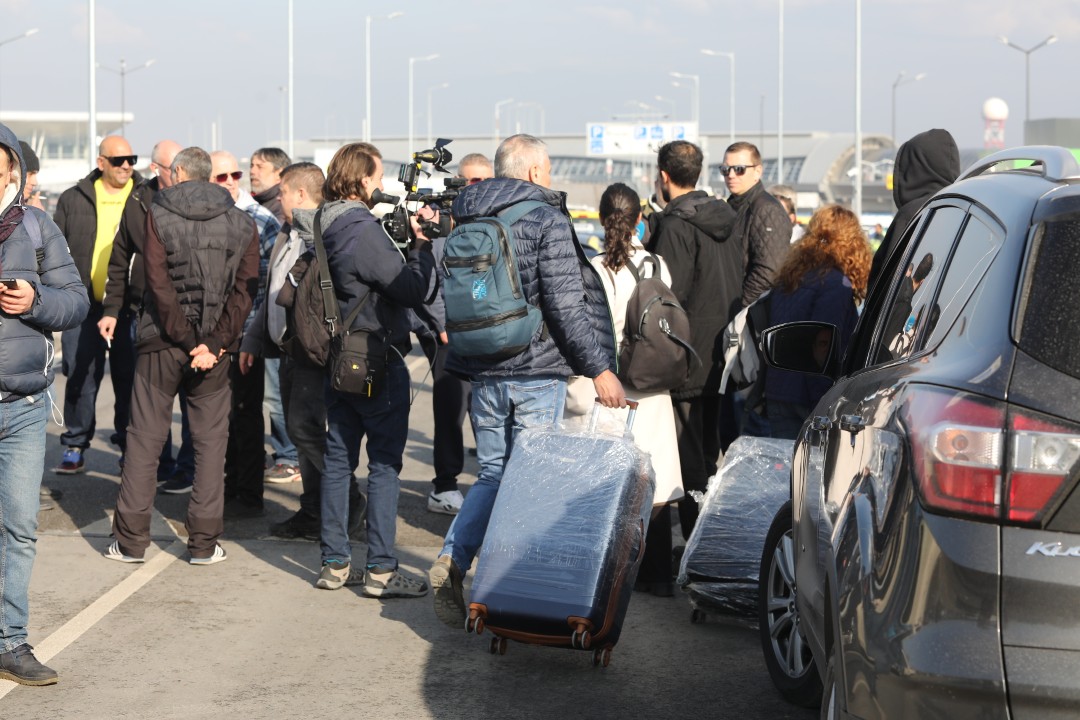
(43, 294)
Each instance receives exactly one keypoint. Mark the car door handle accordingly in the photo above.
(852, 423)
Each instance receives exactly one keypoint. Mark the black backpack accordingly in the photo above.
(654, 353)
(311, 310)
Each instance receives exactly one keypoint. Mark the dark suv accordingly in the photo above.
(928, 564)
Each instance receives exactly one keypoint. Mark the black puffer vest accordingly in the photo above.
(204, 244)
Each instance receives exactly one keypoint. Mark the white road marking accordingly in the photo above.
(77, 626)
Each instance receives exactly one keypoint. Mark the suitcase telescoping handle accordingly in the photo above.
(632, 404)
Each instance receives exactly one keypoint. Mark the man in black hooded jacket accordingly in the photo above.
(707, 277)
(924, 164)
(201, 255)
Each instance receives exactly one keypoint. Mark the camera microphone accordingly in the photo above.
(380, 197)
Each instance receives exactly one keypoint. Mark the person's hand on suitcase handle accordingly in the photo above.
(609, 391)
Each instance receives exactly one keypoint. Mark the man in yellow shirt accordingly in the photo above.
(89, 215)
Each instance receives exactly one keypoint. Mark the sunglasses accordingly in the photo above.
(119, 160)
(224, 177)
(473, 181)
(739, 170)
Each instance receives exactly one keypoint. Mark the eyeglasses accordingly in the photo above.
(739, 170)
(119, 160)
(473, 181)
(224, 177)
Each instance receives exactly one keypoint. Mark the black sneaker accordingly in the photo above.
(178, 484)
(302, 525)
(22, 667)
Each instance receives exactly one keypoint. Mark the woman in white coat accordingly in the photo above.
(654, 426)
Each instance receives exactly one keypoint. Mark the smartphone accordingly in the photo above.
(9, 283)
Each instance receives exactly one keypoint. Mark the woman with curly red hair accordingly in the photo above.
(823, 279)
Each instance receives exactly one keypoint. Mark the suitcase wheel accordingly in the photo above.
(498, 645)
(601, 656)
(474, 623)
(581, 639)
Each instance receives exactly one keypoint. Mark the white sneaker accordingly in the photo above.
(217, 556)
(113, 552)
(447, 503)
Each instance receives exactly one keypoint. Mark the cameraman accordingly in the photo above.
(366, 267)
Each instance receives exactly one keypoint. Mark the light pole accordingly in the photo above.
(731, 102)
(856, 201)
(28, 33)
(412, 62)
(901, 79)
(367, 67)
(696, 102)
(289, 144)
(429, 120)
(123, 72)
(499, 104)
(1027, 68)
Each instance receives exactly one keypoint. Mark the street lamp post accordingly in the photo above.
(123, 72)
(499, 104)
(1027, 68)
(696, 102)
(731, 103)
(367, 67)
(901, 79)
(429, 116)
(20, 36)
(412, 62)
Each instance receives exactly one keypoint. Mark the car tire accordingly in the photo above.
(787, 655)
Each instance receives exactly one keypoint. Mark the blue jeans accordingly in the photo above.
(501, 407)
(384, 419)
(284, 450)
(22, 459)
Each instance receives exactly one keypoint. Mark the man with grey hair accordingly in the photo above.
(202, 270)
(527, 389)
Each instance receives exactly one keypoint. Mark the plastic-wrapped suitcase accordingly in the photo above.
(719, 568)
(565, 540)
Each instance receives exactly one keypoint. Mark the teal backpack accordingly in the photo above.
(487, 315)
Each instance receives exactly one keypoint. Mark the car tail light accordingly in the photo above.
(985, 459)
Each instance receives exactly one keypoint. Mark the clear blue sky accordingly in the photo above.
(581, 60)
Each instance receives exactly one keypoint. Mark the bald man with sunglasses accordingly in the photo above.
(89, 215)
(762, 224)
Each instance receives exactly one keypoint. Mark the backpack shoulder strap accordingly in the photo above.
(331, 309)
(515, 212)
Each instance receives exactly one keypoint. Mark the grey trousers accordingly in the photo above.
(159, 376)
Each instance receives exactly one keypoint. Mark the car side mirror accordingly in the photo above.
(805, 347)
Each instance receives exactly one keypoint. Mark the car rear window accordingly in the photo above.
(1050, 330)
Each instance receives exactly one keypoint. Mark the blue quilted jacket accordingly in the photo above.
(577, 336)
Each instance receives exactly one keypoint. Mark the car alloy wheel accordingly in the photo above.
(787, 654)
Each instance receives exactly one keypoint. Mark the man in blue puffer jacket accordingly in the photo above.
(45, 295)
(528, 389)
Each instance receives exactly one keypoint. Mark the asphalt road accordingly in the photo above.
(253, 638)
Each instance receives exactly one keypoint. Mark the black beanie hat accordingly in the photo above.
(31, 158)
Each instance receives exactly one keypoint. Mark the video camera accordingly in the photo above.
(396, 223)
